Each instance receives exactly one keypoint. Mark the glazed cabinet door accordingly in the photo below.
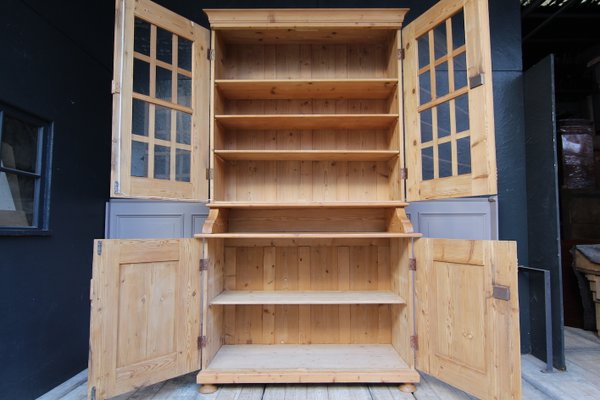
(160, 104)
(145, 313)
(449, 115)
(467, 315)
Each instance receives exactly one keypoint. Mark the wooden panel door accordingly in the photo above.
(160, 104)
(449, 115)
(145, 313)
(467, 315)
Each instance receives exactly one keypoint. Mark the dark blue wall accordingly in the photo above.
(56, 62)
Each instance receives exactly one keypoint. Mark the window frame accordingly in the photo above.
(42, 174)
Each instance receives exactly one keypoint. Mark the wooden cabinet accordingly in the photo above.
(320, 125)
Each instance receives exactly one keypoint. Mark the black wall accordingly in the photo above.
(56, 62)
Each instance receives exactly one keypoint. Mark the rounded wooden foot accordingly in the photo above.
(207, 389)
(408, 388)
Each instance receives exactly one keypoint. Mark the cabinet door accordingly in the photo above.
(467, 315)
(450, 148)
(160, 104)
(145, 313)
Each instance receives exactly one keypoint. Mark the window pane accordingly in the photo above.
(162, 123)
(463, 150)
(184, 90)
(426, 126)
(140, 117)
(443, 120)
(458, 29)
(441, 79)
(439, 40)
(445, 159)
(423, 49)
(139, 159)
(182, 163)
(425, 87)
(164, 84)
(184, 128)
(427, 163)
(17, 200)
(162, 162)
(141, 77)
(141, 37)
(460, 71)
(184, 53)
(164, 45)
(461, 105)
(19, 145)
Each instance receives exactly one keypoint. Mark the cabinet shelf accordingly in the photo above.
(306, 235)
(330, 204)
(308, 121)
(307, 155)
(249, 89)
(283, 363)
(251, 297)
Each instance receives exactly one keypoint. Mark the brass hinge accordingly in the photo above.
(501, 292)
(403, 174)
(99, 247)
(209, 173)
(202, 341)
(414, 342)
(210, 54)
(401, 54)
(204, 264)
(412, 264)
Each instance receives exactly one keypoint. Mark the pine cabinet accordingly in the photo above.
(306, 131)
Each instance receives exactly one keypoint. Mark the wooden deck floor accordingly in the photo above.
(580, 381)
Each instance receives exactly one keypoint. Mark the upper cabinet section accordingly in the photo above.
(448, 112)
(160, 104)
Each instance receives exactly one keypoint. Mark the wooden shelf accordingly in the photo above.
(320, 204)
(235, 297)
(308, 121)
(307, 155)
(306, 235)
(249, 89)
(287, 363)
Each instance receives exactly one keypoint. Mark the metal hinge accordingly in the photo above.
(401, 54)
(93, 393)
(202, 341)
(117, 187)
(476, 80)
(99, 247)
(204, 264)
(403, 173)
(114, 88)
(210, 54)
(209, 173)
(412, 264)
(501, 292)
(414, 342)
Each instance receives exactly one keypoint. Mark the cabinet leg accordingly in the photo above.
(207, 389)
(408, 388)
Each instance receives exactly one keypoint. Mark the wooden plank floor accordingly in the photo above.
(580, 382)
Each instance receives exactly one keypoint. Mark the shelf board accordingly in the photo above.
(307, 155)
(308, 121)
(250, 89)
(239, 297)
(313, 363)
(306, 235)
(316, 204)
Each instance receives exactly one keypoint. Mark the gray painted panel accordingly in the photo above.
(467, 218)
(143, 219)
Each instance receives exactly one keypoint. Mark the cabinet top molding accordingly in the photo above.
(377, 18)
